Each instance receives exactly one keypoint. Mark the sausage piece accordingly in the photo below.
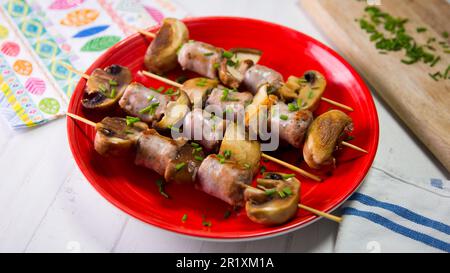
(142, 102)
(258, 75)
(292, 126)
(201, 58)
(223, 180)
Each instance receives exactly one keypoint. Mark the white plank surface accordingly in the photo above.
(46, 205)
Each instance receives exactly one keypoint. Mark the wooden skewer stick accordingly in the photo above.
(88, 122)
(321, 213)
(353, 147)
(177, 85)
(335, 103)
(82, 74)
(291, 167)
(146, 33)
(312, 210)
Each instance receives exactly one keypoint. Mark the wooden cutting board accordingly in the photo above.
(421, 102)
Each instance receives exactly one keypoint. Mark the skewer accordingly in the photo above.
(284, 164)
(291, 167)
(312, 210)
(335, 103)
(146, 33)
(178, 85)
(353, 147)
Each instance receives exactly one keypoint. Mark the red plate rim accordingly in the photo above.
(261, 235)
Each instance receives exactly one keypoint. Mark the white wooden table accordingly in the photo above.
(46, 205)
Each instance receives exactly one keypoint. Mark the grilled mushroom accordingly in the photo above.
(223, 179)
(161, 55)
(232, 68)
(237, 147)
(306, 90)
(197, 90)
(183, 168)
(277, 203)
(323, 138)
(105, 87)
(117, 136)
(175, 112)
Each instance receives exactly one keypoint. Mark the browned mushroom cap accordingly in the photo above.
(237, 147)
(175, 112)
(197, 89)
(183, 168)
(323, 137)
(306, 90)
(161, 55)
(277, 203)
(105, 87)
(115, 137)
(232, 69)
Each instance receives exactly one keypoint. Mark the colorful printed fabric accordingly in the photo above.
(39, 39)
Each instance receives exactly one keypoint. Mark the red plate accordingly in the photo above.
(133, 188)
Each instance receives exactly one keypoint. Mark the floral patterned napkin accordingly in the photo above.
(39, 38)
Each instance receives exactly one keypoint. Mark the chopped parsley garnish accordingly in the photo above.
(389, 34)
(173, 128)
(160, 184)
(169, 91)
(287, 176)
(113, 83)
(271, 89)
(198, 158)
(227, 54)
(216, 65)
(227, 154)
(225, 95)
(160, 89)
(113, 93)
(221, 158)
(201, 82)
(421, 29)
(195, 145)
(263, 169)
(206, 223)
(184, 218)
(180, 166)
(292, 107)
(132, 120)
(284, 117)
(149, 109)
(209, 54)
(270, 191)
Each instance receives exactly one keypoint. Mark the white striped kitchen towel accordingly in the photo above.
(393, 214)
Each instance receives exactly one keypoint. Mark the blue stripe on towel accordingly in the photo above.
(401, 211)
(417, 236)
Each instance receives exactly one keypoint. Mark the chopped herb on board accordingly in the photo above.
(388, 33)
